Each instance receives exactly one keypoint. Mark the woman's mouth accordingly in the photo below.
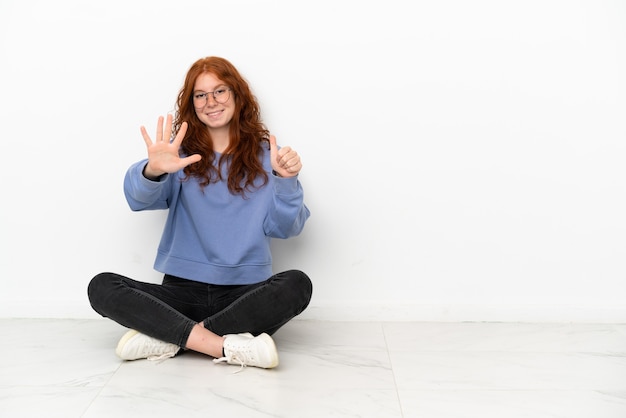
(214, 114)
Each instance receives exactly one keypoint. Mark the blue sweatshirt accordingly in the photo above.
(212, 235)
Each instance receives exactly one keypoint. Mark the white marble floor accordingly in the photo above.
(67, 368)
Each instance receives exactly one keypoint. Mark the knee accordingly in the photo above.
(306, 284)
(97, 284)
(301, 285)
(99, 288)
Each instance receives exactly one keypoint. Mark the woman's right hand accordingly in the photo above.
(163, 155)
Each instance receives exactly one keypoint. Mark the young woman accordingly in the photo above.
(228, 189)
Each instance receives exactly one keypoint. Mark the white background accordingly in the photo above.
(463, 160)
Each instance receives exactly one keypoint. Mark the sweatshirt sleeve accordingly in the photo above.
(142, 193)
(288, 212)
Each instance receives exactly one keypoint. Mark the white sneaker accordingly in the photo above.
(134, 345)
(247, 350)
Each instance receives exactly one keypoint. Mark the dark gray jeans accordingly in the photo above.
(169, 311)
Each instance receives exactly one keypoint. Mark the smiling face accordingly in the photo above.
(216, 116)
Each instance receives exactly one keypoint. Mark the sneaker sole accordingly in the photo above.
(274, 353)
(120, 346)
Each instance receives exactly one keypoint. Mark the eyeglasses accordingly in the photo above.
(221, 96)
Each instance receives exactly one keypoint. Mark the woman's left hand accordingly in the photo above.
(285, 161)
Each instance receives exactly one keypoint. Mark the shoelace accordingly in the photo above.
(232, 358)
(161, 357)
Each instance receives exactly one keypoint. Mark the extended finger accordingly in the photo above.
(190, 160)
(159, 132)
(273, 150)
(167, 134)
(273, 142)
(180, 135)
(146, 137)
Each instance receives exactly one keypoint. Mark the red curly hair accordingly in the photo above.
(247, 133)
